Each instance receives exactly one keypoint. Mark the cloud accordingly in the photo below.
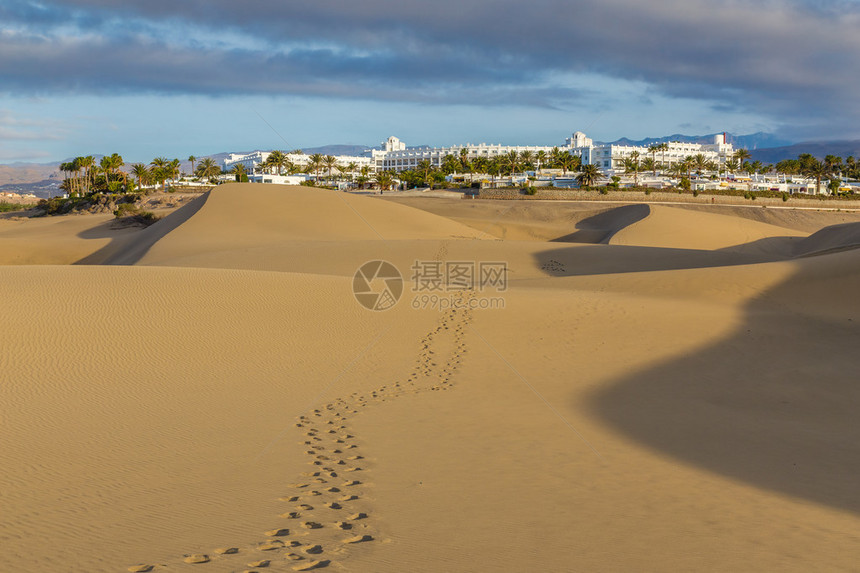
(795, 62)
(13, 127)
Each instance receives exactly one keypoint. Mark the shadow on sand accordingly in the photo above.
(776, 403)
(129, 249)
(601, 227)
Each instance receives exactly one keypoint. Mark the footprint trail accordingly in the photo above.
(327, 514)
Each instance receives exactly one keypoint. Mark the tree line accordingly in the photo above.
(86, 176)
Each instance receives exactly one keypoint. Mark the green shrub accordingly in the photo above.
(529, 190)
(10, 207)
(784, 197)
(134, 214)
(695, 192)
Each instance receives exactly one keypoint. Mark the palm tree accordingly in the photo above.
(208, 169)
(425, 167)
(479, 164)
(464, 160)
(699, 162)
(555, 156)
(330, 162)
(653, 151)
(540, 158)
(687, 164)
(72, 168)
(589, 175)
(66, 168)
(142, 173)
(363, 176)
(384, 179)
(110, 164)
(732, 165)
(106, 168)
(633, 165)
(568, 162)
(818, 170)
(527, 159)
(450, 164)
(173, 169)
(834, 164)
(649, 164)
(678, 169)
(741, 155)
(239, 171)
(160, 170)
(86, 163)
(192, 159)
(351, 168)
(494, 168)
(512, 161)
(276, 160)
(315, 163)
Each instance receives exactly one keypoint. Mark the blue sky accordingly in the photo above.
(156, 78)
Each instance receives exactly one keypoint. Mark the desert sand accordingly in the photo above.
(656, 388)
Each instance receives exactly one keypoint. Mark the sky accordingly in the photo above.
(149, 78)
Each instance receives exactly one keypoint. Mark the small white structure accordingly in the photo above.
(279, 179)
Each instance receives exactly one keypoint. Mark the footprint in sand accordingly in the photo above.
(261, 563)
(278, 532)
(358, 539)
(311, 565)
(197, 558)
(312, 549)
(271, 545)
(227, 550)
(140, 568)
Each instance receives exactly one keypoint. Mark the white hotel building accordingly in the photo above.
(395, 156)
(251, 160)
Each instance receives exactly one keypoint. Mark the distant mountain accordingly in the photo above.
(38, 178)
(43, 189)
(751, 141)
(819, 149)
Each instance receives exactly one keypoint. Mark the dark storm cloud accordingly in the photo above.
(790, 60)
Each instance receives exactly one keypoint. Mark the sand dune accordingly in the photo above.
(832, 238)
(237, 217)
(215, 399)
(55, 240)
(670, 227)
